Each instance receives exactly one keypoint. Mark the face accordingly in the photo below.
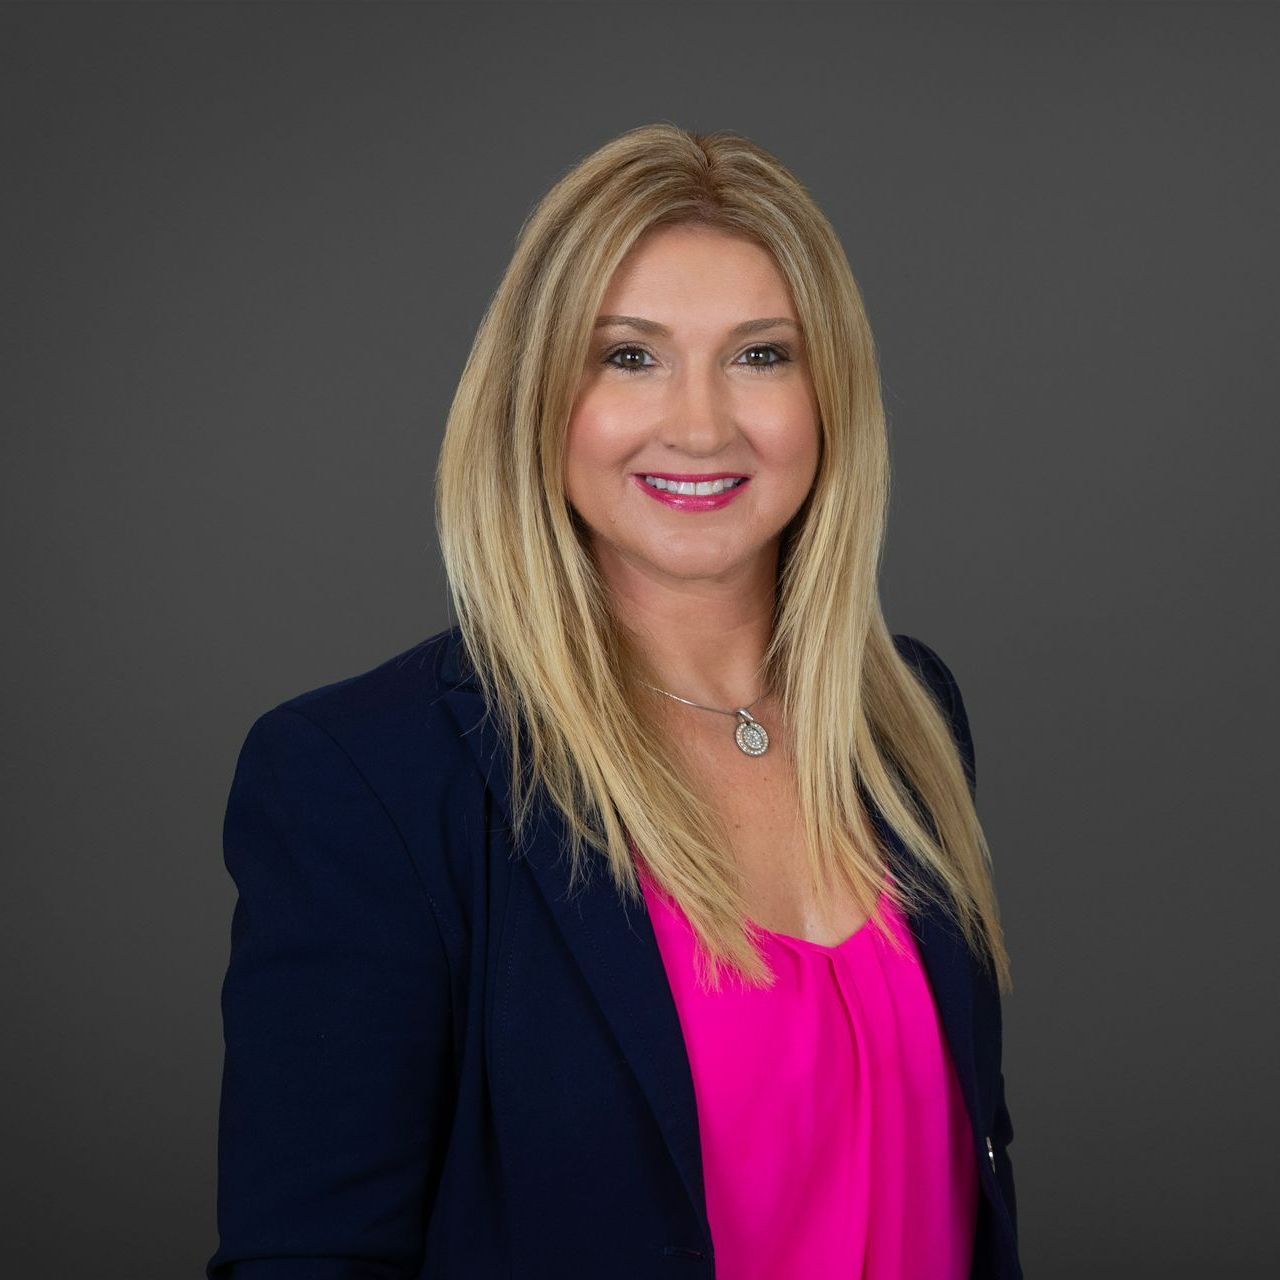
(692, 394)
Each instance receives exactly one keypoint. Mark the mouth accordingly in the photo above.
(689, 485)
(692, 492)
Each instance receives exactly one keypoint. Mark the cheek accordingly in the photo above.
(580, 442)
(789, 443)
(599, 438)
(594, 451)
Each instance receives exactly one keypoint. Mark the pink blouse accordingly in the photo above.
(835, 1139)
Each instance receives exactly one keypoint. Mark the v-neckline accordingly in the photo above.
(649, 885)
(827, 948)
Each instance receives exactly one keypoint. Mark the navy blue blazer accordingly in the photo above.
(439, 1065)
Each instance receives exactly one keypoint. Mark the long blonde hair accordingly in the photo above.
(535, 616)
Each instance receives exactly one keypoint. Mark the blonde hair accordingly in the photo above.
(536, 619)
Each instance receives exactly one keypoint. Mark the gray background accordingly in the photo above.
(246, 250)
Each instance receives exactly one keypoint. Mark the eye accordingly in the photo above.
(771, 365)
(627, 350)
(631, 366)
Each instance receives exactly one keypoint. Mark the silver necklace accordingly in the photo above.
(750, 734)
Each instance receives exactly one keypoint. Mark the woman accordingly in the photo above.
(642, 923)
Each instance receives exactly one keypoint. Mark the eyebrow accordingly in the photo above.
(661, 330)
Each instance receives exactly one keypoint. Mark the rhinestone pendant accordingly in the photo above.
(750, 735)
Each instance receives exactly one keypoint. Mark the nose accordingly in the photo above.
(698, 417)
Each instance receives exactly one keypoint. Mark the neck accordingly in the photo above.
(701, 639)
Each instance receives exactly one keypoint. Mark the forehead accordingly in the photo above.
(695, 272)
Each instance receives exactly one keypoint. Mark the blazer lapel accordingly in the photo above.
(947, 964)
(618, 952)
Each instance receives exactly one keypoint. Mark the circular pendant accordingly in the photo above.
(750, 735)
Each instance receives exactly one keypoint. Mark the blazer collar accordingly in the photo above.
(619, 955)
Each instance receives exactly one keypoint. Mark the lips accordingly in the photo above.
(692, 502)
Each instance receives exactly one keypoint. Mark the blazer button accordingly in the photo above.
(991, 1155)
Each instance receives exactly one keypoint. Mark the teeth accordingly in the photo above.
(689, 487)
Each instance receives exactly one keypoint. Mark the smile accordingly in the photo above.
(694, 487)
(690, 493)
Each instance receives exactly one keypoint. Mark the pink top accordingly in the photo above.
(835, 1139)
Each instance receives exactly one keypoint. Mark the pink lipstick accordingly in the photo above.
(692, 501)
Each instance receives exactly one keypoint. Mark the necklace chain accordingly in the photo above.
(750, 735)
(718, 710)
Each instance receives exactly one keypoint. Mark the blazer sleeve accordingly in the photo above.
(1001, 1125)
(336, 1011)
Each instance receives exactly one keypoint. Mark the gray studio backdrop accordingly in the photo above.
(245, 252)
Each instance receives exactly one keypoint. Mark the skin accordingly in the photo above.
(696, 588)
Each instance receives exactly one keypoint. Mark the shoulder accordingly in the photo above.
(391, 721)
(939, 679)
(926, 664)
(377, 759)
(399, 690)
